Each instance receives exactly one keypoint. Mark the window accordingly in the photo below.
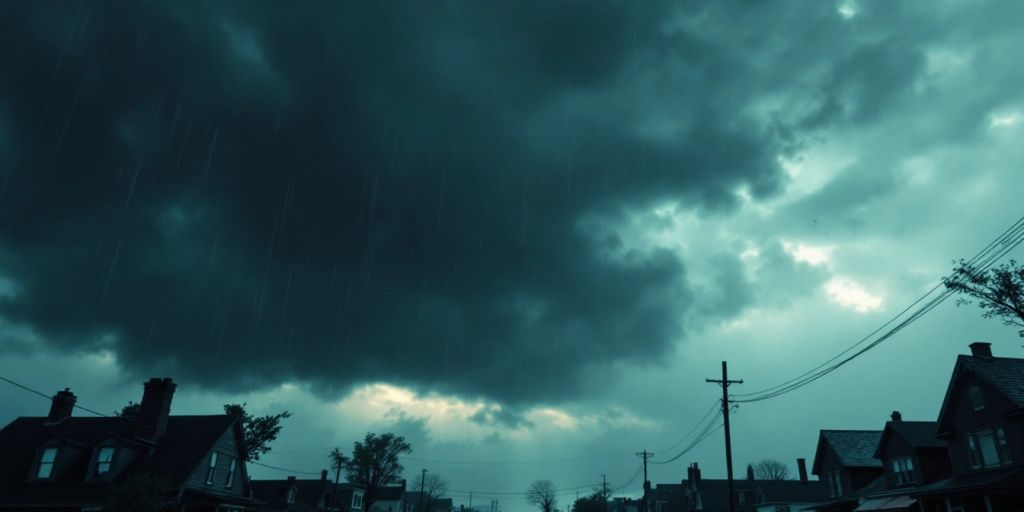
(987, 448)
(976, 400)
(46, 460)
(357, 501)
(211, 469)
(291, 494)
(835, 483)
(231, 473)
(903, 471)
(104, 460)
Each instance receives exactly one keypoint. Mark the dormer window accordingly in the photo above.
(231, 473)
(211, 469)
(46, 461)
(903, 471)
(104, 461)
(987, 448)
(976, 401)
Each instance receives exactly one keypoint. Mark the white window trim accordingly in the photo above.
(43, 463)
(211, 468)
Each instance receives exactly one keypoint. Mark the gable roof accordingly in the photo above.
(855, 448)
(274, 493)
(918, 434)
(184, 444)
(1004, 374)
(391, 493)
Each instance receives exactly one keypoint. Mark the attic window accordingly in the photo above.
(46, 460)
(357, 500)
(231, 473)
(976, 400)
(211, 469)
(987, 448)
(104, 460)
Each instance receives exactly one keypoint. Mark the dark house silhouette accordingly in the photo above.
(307, 495)
(63, 463)
(845, 461)
(982, 420)
(712, 495)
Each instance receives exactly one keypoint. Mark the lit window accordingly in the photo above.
(211, 469)
(104, 460)
(46, 463)
(231, 473)
(976, 400)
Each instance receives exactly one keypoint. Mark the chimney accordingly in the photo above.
(689, 474)
(801, 465)
(403, 484)
(750, 472)
(896, 416)
(323, 476)
(61, 407)
(291, 480)
(981, 349)
(696, 472)
(155, 407)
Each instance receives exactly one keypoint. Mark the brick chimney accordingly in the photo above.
(981, 349)
(896, 416)
(696, 472)
(801, 466)
(62, 406)
(155, 408)
(750, 472)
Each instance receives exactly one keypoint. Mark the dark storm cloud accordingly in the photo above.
(242, 193)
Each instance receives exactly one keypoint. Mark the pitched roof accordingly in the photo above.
(918, 434)
(183, 445)
(391, 493)
(1004, 374)
(274, 493)
(788, 491)
(855, 448)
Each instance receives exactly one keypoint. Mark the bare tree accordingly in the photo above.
(541, 494)
(433, 486)
(999, 291)
(771, 469)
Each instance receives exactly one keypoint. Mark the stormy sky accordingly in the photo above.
(519, 233)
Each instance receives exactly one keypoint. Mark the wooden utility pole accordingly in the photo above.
(604, 491)
(725, 382)
(423, 483)
(643, 501)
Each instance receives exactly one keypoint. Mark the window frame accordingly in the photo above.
(903, 471)
(999, 448)
(41, 462)
(977, 399)
(232, 469)
(112, 450)
(211, 468)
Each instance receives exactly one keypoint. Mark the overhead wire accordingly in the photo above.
(49, 397)
(996, 249)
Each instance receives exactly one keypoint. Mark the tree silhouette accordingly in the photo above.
(374, 464)
(259, 431)
(771, 469)
(433, 486)
(999, 291)
(541, 494)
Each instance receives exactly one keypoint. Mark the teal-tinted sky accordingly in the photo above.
(521, 234)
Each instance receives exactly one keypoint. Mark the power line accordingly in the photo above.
(996, 249)
(49, 397)
(286, 470)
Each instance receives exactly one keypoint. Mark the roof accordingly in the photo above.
(390, 493)
(855, 448)
(185, 442)
(788, 491)
(918, 434)
(1007, 480)
(274, 493)
(1004, 374)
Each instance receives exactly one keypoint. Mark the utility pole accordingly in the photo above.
(725, 382)
(604, 491)
(643, 501)
(471, 501)
(423, 483)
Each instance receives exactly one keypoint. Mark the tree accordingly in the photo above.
(999, 291)
(541, 494)
(771, 469)
(132, 409)
(433, 486)
(596, 502)
(137, 493)
(374, 464)
(259, 431)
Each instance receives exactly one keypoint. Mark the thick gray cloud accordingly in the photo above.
(244, 193)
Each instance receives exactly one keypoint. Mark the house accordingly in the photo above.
(391, 498)
(712, 495)
(307, 495)
(982, 420)
(911, 456)
(63, 463)
(845, 460)
(428, 503)
(623, 505)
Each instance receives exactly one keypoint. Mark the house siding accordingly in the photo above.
(966, 420)
(227, 448)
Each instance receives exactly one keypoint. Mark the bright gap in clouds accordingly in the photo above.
(850, 294)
